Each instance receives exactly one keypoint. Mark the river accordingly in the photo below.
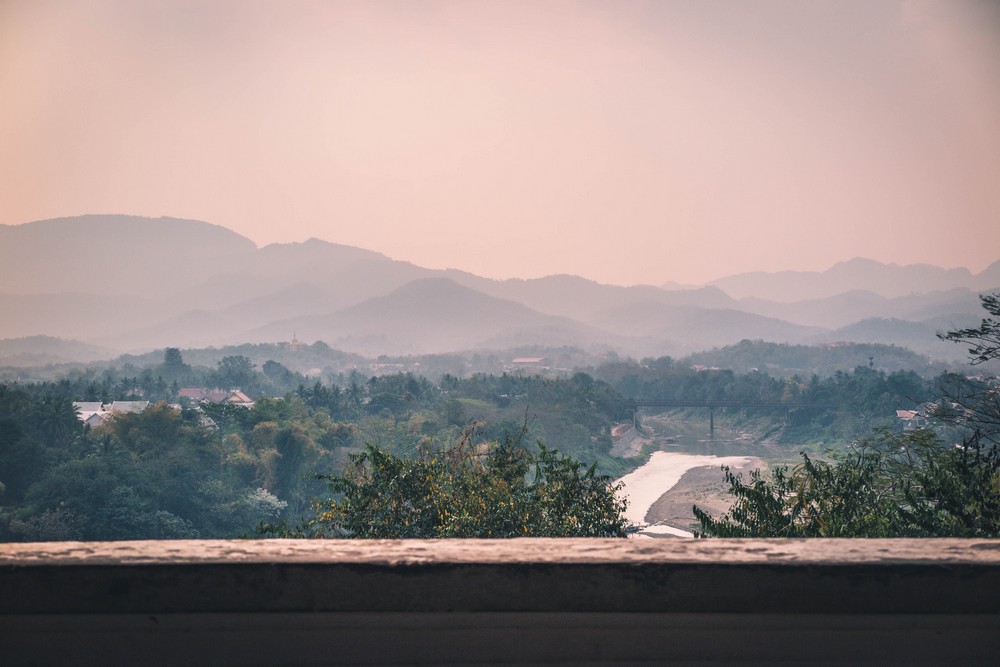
(645, 484)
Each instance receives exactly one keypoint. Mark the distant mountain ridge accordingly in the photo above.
(132, 283)
(41, 350)
(848, 307)
(113, 254)
(429, 315)
(887, 280)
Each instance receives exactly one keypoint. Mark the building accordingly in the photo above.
(532, 363)
(204, 395)
(128, 406)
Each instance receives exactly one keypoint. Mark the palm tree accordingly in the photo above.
(58, 418)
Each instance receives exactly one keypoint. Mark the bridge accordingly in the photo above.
(712, 405)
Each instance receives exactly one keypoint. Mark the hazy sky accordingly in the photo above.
(622, 141)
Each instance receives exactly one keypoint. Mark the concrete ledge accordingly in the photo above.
(246, 640)
(509, 601)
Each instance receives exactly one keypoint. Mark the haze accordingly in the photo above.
(628, 142)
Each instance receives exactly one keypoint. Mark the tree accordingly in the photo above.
(893, 485)
(295, 448)
(22, 459)
(860, 493)
(172, 358)
(960, 490)
(972, 402)
(58, 419)
(984, 341)
(234, 372)
(495, 489)
(173, 366)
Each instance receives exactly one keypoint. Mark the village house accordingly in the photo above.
(532, 363)
(910, 418)
(95, 413)
(218, 396)
(128, 406)
(237, 397)
(91, 413)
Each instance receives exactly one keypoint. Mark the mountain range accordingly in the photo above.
(123, 283)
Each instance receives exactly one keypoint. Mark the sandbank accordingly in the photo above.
(645, 484)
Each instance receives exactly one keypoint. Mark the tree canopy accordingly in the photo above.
(893, 485)
(916, 484)
(219, 470)
(490, 490)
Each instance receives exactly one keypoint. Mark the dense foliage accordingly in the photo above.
(161, 473)
(911, 484)
(908, 485)
(218, 470)
(863, 398)
(490, 490)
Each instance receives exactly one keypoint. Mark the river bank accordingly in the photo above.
(661, 506)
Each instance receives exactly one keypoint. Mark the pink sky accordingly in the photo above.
(623, 141)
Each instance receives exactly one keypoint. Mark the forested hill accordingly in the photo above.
(807, 360)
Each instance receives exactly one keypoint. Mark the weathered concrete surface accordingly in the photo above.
(796, 552)
(461, 638)
(563, 601)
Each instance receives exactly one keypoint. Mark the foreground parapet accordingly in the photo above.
(571, 601)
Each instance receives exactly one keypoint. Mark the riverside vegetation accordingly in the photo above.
(931, 482)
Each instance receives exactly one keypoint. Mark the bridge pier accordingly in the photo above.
(711, 405)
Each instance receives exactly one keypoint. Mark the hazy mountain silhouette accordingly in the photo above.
(583, 299)
(887, 280)
(42, 350)
(114, 254)
(203, 327)
(347, 275)
(848, 307)
(427, 315)
(90, 317)
(988, 279)
(920, 337)
(700, 328)
(136, 283)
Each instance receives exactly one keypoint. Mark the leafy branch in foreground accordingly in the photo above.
(908, 485)
(893, 485)
(857, 494)
(984, 341)
(490, 490)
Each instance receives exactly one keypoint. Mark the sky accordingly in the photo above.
(625, 141)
